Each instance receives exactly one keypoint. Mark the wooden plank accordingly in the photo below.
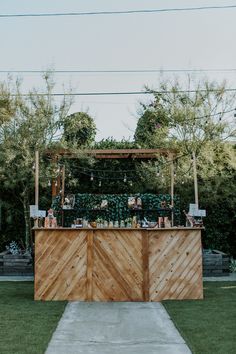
(118, 264)
(36, 178)
(60, 265)
(145, 253)
(175, 265)
(113, 151)
(172, 181)
(118, 269)
(90, 266)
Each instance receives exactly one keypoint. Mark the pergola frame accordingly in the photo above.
(59, 183)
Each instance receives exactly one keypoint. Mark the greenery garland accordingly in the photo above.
(88, 206)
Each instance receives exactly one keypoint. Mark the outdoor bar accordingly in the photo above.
(127, 260)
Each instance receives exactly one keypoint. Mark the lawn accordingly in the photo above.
(209, 325)
(26, 326)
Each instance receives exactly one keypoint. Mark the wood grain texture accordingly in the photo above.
(175, 265)
(118, 264)
(145, 254)
(90, 255)
(118, 273)
(60, 265)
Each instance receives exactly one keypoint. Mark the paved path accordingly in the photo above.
(230, 277)
(16, 278)
(116, 328)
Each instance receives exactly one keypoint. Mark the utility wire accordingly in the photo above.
(128, 71)
(124, 12)
(124, 93)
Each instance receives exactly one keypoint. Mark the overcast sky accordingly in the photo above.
(175, 40)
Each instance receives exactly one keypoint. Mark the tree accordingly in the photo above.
(194, 115)
(151, 130)
(79, 129)
(198, 118)
(27, 123)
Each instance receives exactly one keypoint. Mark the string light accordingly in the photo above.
(125, 178)
(91, 177)
(100, 184)
(49, 183)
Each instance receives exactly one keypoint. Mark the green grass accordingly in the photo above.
(208, 326)
(26, 326)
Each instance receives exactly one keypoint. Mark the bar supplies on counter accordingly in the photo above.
(78, 223)
(161, 222)
(93, 224)
(50, 220)
(122, 224)
(85, 223)
(145, 223)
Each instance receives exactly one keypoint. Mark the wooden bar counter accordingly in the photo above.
(118, 264)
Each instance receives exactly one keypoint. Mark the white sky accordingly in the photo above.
(181, 40)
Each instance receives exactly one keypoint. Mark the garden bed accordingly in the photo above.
(20, 264)
(215, 263)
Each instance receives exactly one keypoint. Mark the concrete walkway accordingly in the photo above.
(230, 277)
(16, 278)
(116, 328)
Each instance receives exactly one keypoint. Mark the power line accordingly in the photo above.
(124, 93)
(124, 12)
(128, 71)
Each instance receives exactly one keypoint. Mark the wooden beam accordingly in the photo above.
(36, 178)
(63, 175)
(195, 179)
(172, 181)
(36, 185)
(116, 153)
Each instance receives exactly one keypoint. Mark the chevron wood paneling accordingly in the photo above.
(118, 264)
(61, 265)
(175, 265)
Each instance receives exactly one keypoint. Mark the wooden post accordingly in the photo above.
(36, 184)
(195, 178)
(172, 179)
(56, 182)
(63, 174)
